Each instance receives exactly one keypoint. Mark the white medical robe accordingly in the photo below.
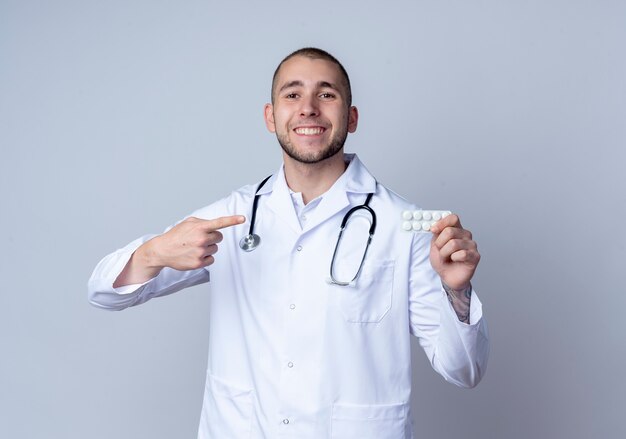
(294, 356)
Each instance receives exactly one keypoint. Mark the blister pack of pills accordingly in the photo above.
(421, 220)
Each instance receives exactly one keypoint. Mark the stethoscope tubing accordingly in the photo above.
(251, 241)
(255, 203)
(344, 222)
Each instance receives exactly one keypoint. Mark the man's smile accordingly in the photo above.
(309, 131)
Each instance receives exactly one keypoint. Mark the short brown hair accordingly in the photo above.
(315, 53)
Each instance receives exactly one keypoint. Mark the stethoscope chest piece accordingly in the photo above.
(250, 242)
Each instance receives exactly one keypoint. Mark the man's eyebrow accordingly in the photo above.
(290, 84)
(328, 85)
(298, 83)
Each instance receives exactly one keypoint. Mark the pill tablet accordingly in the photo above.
(421, 220)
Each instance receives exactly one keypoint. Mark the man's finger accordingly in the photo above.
(468, 256)
(456, 245)
(451, 220)
(451, 233)
(213, 237)
(222, 222)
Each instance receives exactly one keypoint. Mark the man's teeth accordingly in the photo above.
(309, 131)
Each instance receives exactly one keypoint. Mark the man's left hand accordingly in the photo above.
(453, 253)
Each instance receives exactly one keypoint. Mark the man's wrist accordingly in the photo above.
(458, 293)
(149, 256)
(460, 299)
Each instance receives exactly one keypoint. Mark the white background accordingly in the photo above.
(117, 118)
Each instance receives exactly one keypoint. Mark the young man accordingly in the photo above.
(309, 329)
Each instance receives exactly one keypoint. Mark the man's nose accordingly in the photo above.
(309, 106)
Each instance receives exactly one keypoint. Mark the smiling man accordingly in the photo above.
(309, 327)
(323, 132)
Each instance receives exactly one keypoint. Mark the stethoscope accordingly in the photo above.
(251, 241)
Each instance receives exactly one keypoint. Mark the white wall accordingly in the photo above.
(119, 117)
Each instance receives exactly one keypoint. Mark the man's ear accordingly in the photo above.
(353, 119)
(268, 114)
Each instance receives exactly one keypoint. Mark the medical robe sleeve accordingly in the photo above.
(456, 350)
(100, 286)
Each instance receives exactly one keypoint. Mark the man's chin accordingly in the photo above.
(311, 154)
(312, 157)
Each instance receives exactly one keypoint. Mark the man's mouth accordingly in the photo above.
(309, 131)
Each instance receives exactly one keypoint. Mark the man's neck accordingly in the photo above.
(312, 180)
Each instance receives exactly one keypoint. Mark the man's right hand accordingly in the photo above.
(189, 245)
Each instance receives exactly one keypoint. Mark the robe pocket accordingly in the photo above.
(351, 421)
(369, 298)
(230, 409)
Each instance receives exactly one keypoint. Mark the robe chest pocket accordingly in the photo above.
(369, 299)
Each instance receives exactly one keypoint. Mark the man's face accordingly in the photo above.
(310, 114)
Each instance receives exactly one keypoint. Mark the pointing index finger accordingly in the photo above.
(223, 222)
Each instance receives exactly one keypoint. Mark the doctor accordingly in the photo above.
(292, 354)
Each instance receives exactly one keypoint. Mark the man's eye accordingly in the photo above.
(327, 95)
(291, 96)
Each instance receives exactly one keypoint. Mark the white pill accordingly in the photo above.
(422, 220)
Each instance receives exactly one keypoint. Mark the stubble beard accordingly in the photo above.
(334, 146)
